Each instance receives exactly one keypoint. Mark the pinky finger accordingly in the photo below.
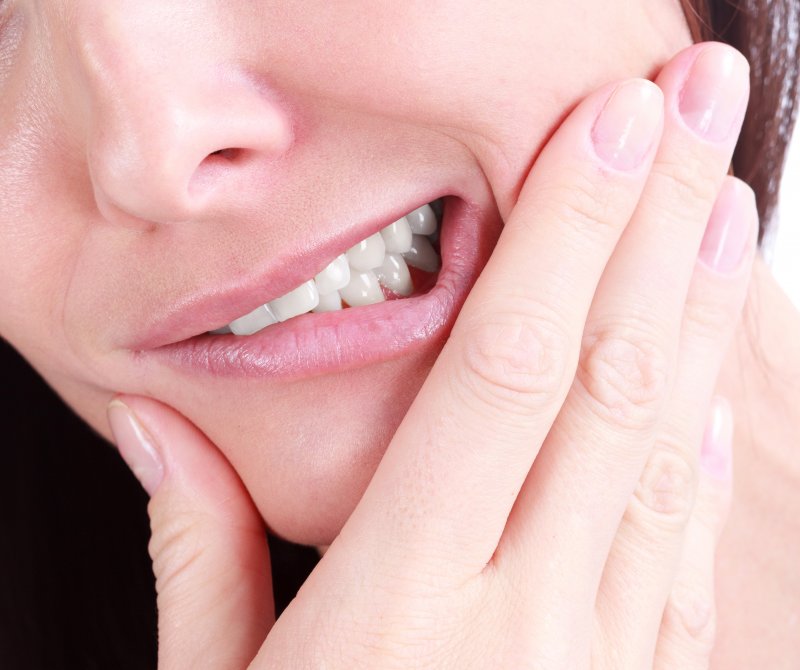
(687, 634)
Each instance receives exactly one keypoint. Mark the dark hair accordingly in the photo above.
(77, 587)
(767, 33)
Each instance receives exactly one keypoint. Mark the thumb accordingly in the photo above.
(208, 543)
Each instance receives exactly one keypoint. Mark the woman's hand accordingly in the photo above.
(538, 506)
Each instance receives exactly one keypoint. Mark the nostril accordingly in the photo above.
(227, 154)
(213, 169)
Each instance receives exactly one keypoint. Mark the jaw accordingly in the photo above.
(305, 469)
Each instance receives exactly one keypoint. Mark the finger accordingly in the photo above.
(208, 542)
(641, 565)
(595, 453)
(687, 634)
(444, 489)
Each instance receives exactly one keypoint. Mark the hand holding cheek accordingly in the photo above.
(525, 487)
(634, 380)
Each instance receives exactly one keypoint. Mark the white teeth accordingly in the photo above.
(363, 289)
(393, 274)
(422, 220)
(335, 276)
(397, 236)
(422, 254)
(330, 302)
(258, 319)
(356, 277)
(296, 302)
(367, 254)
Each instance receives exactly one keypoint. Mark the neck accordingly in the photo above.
(761, 377)
(758, 581)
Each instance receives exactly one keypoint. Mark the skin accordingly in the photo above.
(761, 540)
(76, 193)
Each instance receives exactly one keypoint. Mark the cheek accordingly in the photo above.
(501, 76)
(45, 207)
(41, 233)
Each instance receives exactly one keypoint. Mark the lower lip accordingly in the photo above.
(316, 344)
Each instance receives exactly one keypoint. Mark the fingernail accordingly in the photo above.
(729, 227)
(712, 100)
(135, 446)
(716, 454)
(626, 128)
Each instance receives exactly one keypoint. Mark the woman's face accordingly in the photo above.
(167, 166)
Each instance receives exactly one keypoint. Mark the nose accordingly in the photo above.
(172, 136)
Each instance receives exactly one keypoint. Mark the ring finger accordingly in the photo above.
(687, 632)
(641, 566)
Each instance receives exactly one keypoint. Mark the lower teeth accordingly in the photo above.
(355, 279)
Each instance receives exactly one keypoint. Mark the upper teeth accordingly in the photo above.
(355, 276)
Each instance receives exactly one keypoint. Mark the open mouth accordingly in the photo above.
(399, 261)
(393, 298)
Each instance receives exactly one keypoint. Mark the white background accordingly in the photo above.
(782, 247)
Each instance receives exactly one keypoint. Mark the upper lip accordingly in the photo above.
(214, 306)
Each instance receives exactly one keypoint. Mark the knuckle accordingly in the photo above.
(711, 512)
(624, 375)
(690, 183)
(395, 637)
(513, 361)
(175, 546)
(665, 495)
(582, 203)
(709, 319)
(690, 618)
(711, 506)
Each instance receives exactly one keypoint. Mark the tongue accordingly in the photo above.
(423, 282)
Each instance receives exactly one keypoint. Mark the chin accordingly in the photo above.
(307, 472)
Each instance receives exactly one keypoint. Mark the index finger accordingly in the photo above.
(465, 447)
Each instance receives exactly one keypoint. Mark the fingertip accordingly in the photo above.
(716, 453)
(208, 541)
(732, 228)
(628, 127)
(188, 459)
(135, 445)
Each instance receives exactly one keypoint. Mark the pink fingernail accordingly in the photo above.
(716, 454)
(729, 227)
(135, 446)
(713, 97)
(628, 124)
